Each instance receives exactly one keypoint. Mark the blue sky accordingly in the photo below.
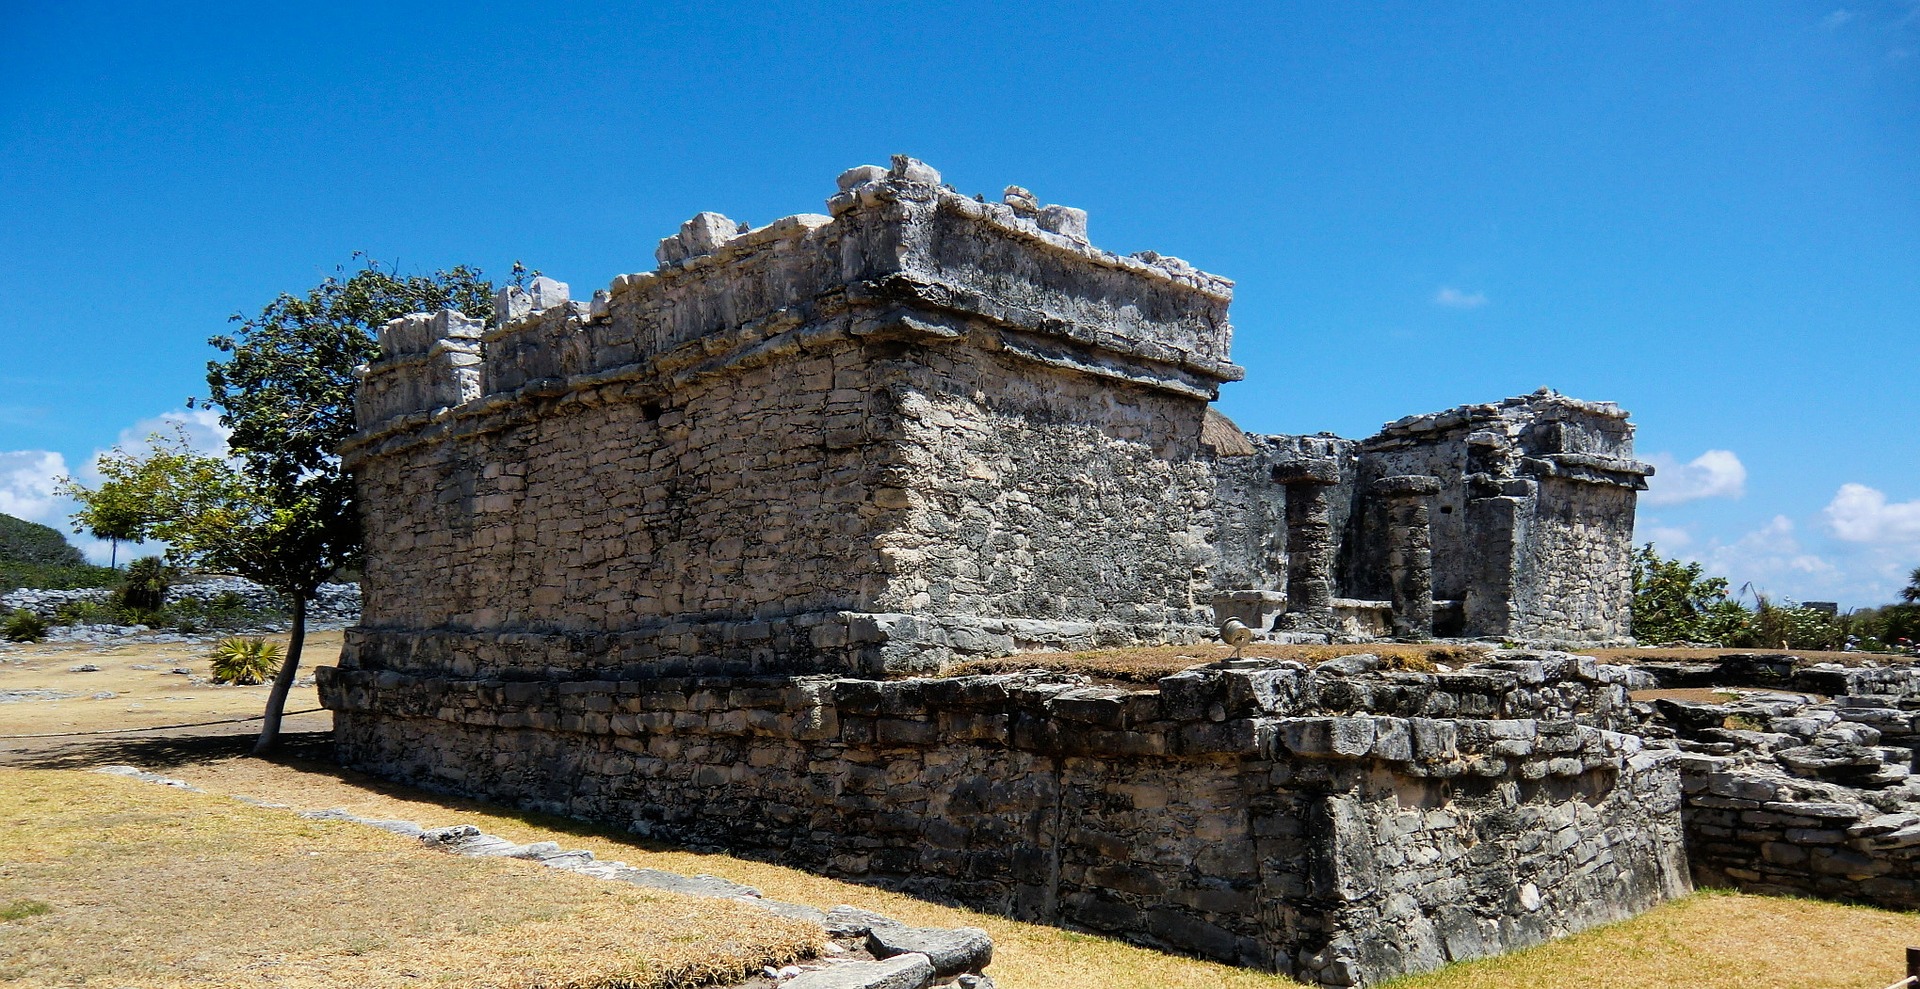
(1708, 212)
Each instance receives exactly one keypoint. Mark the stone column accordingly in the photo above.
(1309, 535)
(1410, 551)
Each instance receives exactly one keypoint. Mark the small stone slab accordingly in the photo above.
(703, 885)
(958, 949)
(846, 921)
(899, 972)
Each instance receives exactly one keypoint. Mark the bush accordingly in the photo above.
(245, 661)
(24, 626)
(144, 591)
(54, 576)
(1885, 627)
(1771, 626)
(87, 613)
(1677, 602)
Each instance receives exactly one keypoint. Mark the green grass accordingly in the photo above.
(22, 909)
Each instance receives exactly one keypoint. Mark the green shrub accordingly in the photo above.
(22, 909)
(144, 590)
(1674, 601)
(86, 613)
(24, 626)
(1771, 626)
(245, 661)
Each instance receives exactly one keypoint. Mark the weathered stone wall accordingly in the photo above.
(863, 441)
(1016, 502)
(1250, 516)
(1532, 527)
(1340, 825)
(1576, 582)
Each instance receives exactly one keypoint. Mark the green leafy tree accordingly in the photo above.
(1675, 601)
(282, 512)
(1910, 594)
(115, 518)
(285, 391)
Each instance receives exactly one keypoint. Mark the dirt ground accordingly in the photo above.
(45, 691)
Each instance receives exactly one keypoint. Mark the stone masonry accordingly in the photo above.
(662, 557)
(1342, 825)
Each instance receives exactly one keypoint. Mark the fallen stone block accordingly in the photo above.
(953, 950)
(900, 972)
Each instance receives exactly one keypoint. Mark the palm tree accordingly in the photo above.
(1911, 593)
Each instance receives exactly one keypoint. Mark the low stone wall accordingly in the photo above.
(333, 605)
(1342, 825)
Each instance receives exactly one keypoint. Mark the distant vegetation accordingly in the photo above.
(34, 555)
(1675, 601)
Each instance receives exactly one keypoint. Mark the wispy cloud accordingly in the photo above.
(1713, 474)
(1453, 298)
(1668, 539)
(1839, 17)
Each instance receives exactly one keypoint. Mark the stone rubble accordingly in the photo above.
(1787, 794)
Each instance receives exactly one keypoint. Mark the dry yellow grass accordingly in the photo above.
(1025, 956)
(156, 887)
(1711, 940)
(141, 698)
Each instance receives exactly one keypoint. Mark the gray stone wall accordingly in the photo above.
(942, 414)
(1341, 825)
(1532, 528)
(1250, 516)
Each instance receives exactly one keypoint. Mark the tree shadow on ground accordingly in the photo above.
(172, 750)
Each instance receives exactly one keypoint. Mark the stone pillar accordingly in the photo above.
(1410, 551)
(1309, 535)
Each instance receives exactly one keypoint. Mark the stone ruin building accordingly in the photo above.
(667, 558)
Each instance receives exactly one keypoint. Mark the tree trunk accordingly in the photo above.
(283, 681)
(113, 555)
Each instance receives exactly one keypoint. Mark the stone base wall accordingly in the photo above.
(1343, 826)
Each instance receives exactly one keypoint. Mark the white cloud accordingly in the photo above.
(1773, 561)
(201, 427)
(1837, 18)
(28, 477)
(1668, 539)
(1453, 298)
(1713, 474)
(1860, 514)
(27, 480)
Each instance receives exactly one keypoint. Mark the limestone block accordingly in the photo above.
(950, 950)
(703, 234)
(899, 972)
(860, 175)
(913, 170)
(1066, 221)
